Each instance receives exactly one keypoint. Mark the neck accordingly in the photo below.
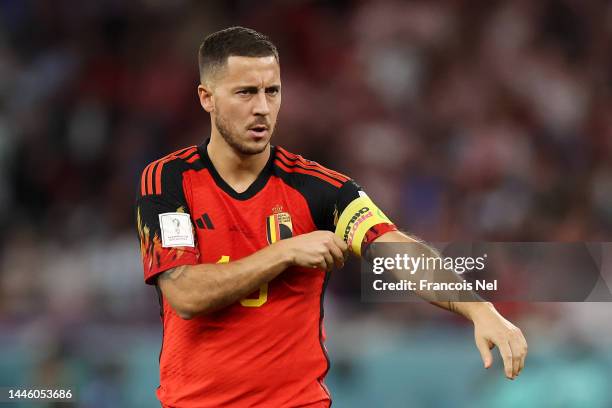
(238, 170)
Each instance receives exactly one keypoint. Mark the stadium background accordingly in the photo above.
(483, 120)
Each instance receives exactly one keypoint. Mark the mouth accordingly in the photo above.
(258, 131)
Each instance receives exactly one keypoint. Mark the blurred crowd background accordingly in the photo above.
(464, 120)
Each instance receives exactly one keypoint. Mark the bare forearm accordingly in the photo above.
(490, 327)
(204, 288)
(463, 303)
(469, 310)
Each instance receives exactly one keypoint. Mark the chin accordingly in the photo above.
(253, 146)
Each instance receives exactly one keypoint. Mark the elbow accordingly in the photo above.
(184, 312)
(185, 303)
(185, 315)
(189, 311)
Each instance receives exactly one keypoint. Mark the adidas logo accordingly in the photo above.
(204, 222)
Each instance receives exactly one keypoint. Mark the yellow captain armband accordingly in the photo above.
(356, 219)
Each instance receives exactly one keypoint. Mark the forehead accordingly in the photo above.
(251, 71)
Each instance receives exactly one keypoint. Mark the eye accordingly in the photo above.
(243, 92)
(272, 91)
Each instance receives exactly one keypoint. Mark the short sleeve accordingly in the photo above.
(357, 219)
(165, 230)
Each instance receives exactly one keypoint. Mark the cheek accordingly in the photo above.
(231, 112)
(276, 107)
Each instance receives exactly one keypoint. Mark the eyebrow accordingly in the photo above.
(252, 88)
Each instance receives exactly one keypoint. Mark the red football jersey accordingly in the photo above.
(266, 350)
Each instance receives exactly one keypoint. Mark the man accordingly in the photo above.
(238, 238)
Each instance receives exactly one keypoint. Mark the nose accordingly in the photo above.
(261, 107)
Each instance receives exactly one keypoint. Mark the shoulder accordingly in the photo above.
(295, 169)
(324, 189)
(167, 171)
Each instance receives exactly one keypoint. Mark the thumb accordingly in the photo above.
(485, 352)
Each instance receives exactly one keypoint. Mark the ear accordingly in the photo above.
(206, 98)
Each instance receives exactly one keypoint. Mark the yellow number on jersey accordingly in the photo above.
(263, 290)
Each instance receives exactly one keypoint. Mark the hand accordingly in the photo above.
(318, 249)
(490, 330)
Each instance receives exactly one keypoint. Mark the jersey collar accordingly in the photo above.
(255, 187)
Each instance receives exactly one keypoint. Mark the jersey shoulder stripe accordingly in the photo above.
(311, 166)
(291, 158)
(322, 188)
(313, 173)
(290, 163)
(151, 180)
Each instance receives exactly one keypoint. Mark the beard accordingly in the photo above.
(232, 138)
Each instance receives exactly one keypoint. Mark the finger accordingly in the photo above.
(523, 354)
(516, 357)
(329, 261)
(319, 263)
(341, 244)
(506, 354)
(485, 352)
(337, 255)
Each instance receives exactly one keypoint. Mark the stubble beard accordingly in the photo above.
(233, 140)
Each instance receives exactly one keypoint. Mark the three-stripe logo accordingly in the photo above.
(204, 222)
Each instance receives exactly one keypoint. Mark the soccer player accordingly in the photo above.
(239, 237)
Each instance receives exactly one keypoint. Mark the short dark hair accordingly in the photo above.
(233, 41)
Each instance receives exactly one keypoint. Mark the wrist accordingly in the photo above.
(472, 310)
(283, 253)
